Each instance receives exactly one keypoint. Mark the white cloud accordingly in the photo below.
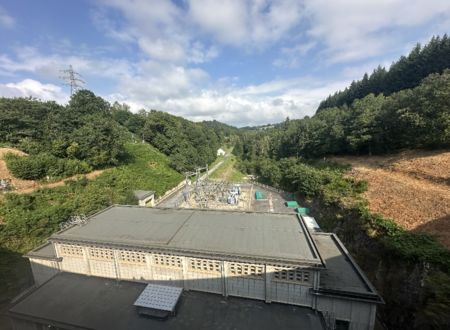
(251, 23)
(34, 88)
(6, 21)
(291, 56)
(353, 29)
(250, 105)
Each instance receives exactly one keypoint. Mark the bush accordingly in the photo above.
(28, 168)
(38, 166)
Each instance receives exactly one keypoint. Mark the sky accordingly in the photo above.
(242, 62)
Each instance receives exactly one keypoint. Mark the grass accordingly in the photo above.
(228, 172)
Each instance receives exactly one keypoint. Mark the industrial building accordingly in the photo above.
(267, 257)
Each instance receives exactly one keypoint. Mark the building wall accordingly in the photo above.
(43, 269)
(258, 281)
(272, 283)
(360, 314)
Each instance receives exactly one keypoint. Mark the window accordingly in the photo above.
(71, 250)
(101, 253)
(237, 269)
(167, 260)
(204, 265)
(291, 275)
(137, 257)
(342, 325)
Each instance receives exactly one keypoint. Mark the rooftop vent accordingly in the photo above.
(158, 301)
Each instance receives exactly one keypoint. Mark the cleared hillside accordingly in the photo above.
(412, 187)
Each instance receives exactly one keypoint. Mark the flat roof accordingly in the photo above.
(278, 237)
(44, 251)
(78, 301)
(142, 194)
(342, 274)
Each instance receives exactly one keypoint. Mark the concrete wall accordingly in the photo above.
(43, 269)
(272, 283)
(255, 281)
(360, 314)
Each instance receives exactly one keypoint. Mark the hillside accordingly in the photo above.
(412, 188)
(28, 219)
(21, 186)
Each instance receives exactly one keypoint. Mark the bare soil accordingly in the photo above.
(412, 188)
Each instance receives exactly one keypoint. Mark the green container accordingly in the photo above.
(302, 210)
(259, 195)
(291, 204)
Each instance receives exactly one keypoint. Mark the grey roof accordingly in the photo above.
(77, 301)
(342, 274)
(45, 251)
(143, 194)
(258, 235)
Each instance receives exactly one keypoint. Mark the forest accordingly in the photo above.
(375, 124)
(411, 270)
(89, 133)
(405, 73)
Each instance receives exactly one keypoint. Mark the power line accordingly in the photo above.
(72, 79)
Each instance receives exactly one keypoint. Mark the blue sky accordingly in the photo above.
(243, 62)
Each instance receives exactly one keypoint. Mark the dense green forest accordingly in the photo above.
(405, 73)
(187, 144)
(89, 134)
(61, 140)
(411, 118)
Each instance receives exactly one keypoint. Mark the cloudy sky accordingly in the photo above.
(243, 62)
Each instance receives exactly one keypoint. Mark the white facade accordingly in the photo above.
(220, 152)
(293, 285)
(280, 283)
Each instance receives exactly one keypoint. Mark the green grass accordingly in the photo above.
(228, 171)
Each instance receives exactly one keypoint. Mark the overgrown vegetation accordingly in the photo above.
(187, 144)
(29, 219)
(61, 140)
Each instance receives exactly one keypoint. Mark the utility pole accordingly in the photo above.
(72, 79)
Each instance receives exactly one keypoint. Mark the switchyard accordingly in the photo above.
(215, 195)
(274, 258)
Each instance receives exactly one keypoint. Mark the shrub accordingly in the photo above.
(38, 166)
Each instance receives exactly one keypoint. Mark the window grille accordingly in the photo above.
(291, 275)
(101, 253)
(132, 256)
(167, 260)
(237, 269)
(71, 250)
(204, 265)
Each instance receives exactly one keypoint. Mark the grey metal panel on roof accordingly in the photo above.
(340, 274)
(248, 234)
(161, 297)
